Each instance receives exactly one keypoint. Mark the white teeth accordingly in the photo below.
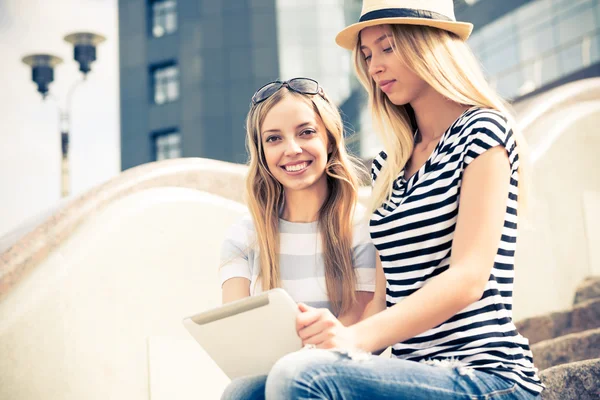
(294, 168)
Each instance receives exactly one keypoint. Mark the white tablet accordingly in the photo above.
(247, 336)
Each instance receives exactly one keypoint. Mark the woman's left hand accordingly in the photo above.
(319, 327)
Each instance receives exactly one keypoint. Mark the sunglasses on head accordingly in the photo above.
(299, 85)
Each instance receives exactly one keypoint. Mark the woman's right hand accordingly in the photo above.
(320, 328)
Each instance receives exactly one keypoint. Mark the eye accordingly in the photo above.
(308, 131)
(367, 58)
(272, 138)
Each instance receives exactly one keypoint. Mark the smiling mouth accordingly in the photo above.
(296, 167)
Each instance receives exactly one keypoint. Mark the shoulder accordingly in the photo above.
(241, 231)
(481, 129)
(377, 164)
(485, 121)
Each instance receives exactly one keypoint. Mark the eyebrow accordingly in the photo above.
(302, 125)
(385, 35)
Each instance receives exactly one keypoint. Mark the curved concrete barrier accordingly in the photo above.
(557, 238)
(84, 324)
(23, 252)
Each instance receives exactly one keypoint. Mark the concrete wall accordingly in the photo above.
(558, 243)
(87, 322)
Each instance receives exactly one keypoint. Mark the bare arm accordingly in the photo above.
(378, 302)
(479, 227)
(363, 299)
(319, 326)
(235, 289)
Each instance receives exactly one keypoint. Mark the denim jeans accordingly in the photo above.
(323, 374)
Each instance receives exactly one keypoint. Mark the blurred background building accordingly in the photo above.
(530, 46)
(190, 67)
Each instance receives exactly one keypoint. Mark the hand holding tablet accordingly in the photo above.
(247, 336)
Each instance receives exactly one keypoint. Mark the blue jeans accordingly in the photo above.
(323, 374)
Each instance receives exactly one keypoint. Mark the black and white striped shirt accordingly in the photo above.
(413, 232)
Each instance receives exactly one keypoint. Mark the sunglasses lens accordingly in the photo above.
(304, 85)
(266, 92)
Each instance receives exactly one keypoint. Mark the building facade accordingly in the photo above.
(189, 68)
(529, 46)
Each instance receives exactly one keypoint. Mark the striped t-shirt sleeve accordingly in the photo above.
(489, 129)
(234, 254)
(363, 258)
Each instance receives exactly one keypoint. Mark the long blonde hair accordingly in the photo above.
(447, 64)
(265, 196)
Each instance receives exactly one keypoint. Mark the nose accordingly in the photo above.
(292, 148)
(375, 66)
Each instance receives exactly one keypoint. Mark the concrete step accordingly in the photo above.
(587, 290)
(581, 317)
(574, 381)
(565, 349)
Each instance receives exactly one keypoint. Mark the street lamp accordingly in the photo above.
(42, 74)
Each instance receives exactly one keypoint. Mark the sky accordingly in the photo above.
(29, 127)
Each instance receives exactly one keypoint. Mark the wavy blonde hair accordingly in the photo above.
(265, 197)
(447, 64)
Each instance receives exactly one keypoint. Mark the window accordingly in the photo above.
(163, 17)
(167, 144)
(165, 81)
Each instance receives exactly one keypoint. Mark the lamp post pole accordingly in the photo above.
(42, 73)
(65, 179)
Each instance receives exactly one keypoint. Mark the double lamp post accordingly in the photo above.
(42, 73)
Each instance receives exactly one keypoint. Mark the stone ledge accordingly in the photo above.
(587, 290)
(217, 177)
(582, 317)
(573, 381)
(566, 349)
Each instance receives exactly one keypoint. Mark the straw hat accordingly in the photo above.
(435, 13)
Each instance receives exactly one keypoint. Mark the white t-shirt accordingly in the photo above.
(301, 260)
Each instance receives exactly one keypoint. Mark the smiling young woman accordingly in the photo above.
(302, 233)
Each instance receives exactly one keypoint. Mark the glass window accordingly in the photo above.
(537, 42)
(569, 4)
(509, 85)
(163, 17)
(549, 69)
(532, 77)
(502, 59)
(535, 13)
(499, 32)
(167, 145)
(570, 59)
(597, 14)
(595, 48)
(574, 25)
(476, 41)
(165, 81)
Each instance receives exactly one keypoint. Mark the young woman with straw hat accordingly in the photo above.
(447, 189)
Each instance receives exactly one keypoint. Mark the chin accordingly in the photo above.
(296, 186)
(399, 100)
